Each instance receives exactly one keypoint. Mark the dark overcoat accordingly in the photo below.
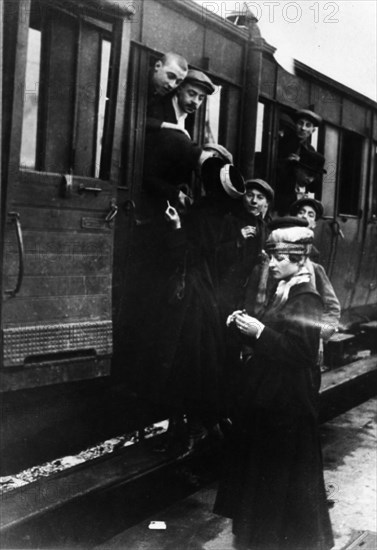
(183, 356)
(273, 485)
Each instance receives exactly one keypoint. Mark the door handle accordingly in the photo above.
(336, 229)
(112, 212)
(82, 189)
(15, 217)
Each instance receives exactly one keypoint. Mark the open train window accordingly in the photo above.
(31, 100)
(350, 173)
(331, 150)
(212, 120)
(66, 93)
(374, 183)
(261, 141)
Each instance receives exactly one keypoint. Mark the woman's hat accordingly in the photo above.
(307, 201)
(290, 235)
(217, 174)
(220, 150)
(262, 186)
(308, 115)
(311, 160)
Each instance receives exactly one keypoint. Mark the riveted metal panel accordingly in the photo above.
(22, 343)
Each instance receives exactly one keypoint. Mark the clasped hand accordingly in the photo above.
(248, 231)
(247, 325)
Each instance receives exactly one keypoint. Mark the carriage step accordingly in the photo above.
(366, 540)
(369, 332)
(338, 350)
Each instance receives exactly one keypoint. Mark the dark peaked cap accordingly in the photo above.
(309, 115)
(200, 79)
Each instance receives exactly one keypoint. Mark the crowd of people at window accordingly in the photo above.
(236, 313)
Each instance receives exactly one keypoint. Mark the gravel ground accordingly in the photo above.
(350, 459)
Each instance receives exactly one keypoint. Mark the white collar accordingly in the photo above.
(179, 113)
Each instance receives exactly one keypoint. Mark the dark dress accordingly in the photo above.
(273, 485)
(183, 358)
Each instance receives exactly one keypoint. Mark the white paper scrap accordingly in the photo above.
(157, 525)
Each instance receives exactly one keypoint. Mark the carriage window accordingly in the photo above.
(314, 139)
(31, 95)
(103, 101)
(212, 121)
(64, 121)
(259, 134)
(331, 167)
(374, 184)
(350, 173)
(261, 142)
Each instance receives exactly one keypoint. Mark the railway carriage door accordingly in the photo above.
(348, 222)
(64, 135)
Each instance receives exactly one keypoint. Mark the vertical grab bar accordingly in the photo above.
(15, 217)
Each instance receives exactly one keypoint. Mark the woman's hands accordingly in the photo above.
(247, 325)
(172, 216)
(248, 231)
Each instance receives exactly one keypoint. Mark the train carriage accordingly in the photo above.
(74, 231)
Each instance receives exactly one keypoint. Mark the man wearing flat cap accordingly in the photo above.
(172, 110)
(308, 208)
(166, 134)
(305, 123)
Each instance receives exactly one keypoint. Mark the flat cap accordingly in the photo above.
(200, 79)
(309, 115)
(307, 201)
(222, 151)
(262, 186)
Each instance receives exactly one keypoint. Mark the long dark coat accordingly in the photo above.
(183, 358)
(273, 485)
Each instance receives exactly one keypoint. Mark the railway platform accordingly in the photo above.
(350, 462)
(92, 504)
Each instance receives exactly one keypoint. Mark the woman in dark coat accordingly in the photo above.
(185, 348)
(273, 486)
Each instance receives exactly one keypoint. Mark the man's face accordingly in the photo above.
(304, 129)
(255, 202)
(166, 77)
(308, 213)
(190, 97)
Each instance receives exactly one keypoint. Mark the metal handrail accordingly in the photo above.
(15, 217)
